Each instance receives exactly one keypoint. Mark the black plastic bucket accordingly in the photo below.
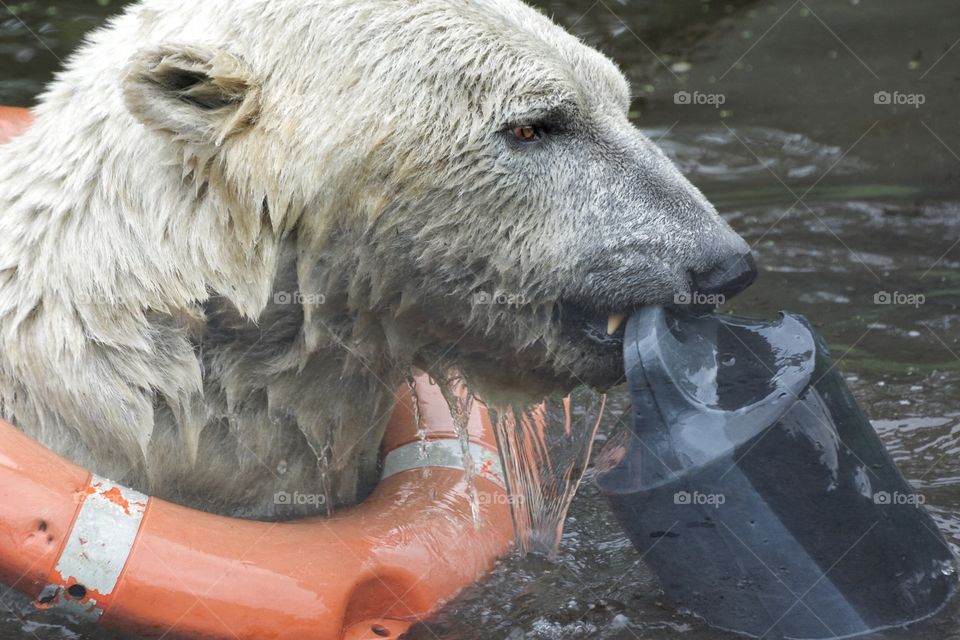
(757, 490)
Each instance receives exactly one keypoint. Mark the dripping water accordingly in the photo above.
(460, 400)
(545, 449)
(418, 417)
(323, 457)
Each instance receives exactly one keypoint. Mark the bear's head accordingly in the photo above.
(459, 179)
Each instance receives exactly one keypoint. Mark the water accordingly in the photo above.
(545, 450)
(880, 212)
(460, 400)
(418, 417)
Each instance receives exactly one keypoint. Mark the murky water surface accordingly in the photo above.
(827, 132)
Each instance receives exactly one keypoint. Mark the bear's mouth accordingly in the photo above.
(582, 346)
(592, 340)
(605, 329)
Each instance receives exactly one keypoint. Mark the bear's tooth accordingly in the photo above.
(614, 322)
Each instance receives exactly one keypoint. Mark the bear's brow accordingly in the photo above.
(553, 109)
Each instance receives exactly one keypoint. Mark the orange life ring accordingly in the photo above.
(106, 553)
(72, 540)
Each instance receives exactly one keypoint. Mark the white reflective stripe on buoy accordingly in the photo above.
(97, 549)
(447, 453)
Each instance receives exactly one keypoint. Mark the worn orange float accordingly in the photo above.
(104, 553)
(74, 541)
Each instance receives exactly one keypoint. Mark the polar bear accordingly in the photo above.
(237, 226)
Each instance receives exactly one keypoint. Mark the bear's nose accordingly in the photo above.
(728, 278)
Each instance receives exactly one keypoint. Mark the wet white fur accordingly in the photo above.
(355, 152)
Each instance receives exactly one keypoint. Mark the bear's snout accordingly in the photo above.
(728, 277)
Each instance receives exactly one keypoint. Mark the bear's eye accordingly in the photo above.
(527, 133)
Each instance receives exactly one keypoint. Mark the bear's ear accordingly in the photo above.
(193, 93)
